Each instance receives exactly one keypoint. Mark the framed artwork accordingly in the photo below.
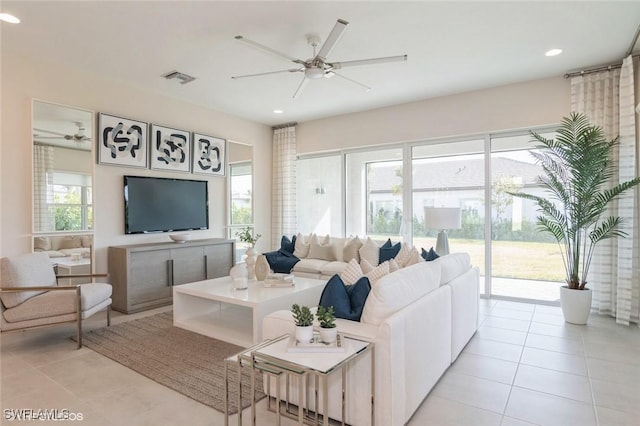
(121, 141)
(209, 155)
(170, 149)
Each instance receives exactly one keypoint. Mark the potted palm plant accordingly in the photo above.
(304, 322)
(577, 166)
(327, 320)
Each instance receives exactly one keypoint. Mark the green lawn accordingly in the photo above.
(511, 259)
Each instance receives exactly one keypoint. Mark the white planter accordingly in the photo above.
(304, 334)
(576, 305)
(251, 262)
(328, 335)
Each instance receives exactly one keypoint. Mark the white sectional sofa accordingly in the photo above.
(419, 318)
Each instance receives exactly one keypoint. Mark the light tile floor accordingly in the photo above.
(524, 366)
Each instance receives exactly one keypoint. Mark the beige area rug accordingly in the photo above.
(184, 361)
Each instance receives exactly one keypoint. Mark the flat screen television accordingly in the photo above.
(153, 204)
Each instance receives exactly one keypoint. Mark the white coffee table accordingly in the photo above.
(214, 308)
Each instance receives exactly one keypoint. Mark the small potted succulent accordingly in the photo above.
(304, 323)
(327, 319)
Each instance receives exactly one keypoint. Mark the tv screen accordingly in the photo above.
(154, 204)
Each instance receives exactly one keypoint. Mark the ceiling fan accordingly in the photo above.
(318, 67)
(79, 136)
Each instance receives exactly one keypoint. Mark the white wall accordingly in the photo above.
(23, 79)
(521, 105)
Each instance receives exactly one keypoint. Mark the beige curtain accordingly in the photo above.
(607, 98)
(43, 217)
(283, 189)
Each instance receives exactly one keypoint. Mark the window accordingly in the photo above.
(374, 202)
(240, 201)
(71, 205)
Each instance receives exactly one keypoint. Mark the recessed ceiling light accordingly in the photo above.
(553, 52)
(6, 17)
(278, 111)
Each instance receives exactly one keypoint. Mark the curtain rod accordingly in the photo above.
(285, 125)
(609, 67)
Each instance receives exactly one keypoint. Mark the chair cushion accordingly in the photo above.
(33, 269)
(48, 304)
(93, 294)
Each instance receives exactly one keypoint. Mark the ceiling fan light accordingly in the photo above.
(314, 73)
(7, 17)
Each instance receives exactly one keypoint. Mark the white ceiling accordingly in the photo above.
(452, 47)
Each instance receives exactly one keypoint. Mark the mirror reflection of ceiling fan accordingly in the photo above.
(318, 67)
(79, 136)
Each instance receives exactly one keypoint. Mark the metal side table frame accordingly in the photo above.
(263, 358)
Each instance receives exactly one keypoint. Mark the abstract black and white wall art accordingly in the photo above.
(209, 155)
(121, 141)
(170, 149)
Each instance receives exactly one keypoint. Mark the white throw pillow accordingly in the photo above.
(351, 249)
(378, 272)
(351, 273)
(366, 266)
(321, 250)
(301, 249)
(393, 265)
(370, 252)
(414, 257)
(403, 255)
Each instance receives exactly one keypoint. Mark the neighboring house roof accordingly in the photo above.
(452, 175)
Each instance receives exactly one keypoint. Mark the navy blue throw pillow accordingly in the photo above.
(287, 244)
(429, 255)
(388, 251)
(347, 300)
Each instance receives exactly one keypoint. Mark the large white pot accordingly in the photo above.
(576, 305)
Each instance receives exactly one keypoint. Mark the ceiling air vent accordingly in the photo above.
(184, 78)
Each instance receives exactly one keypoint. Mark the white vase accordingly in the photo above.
(328, 335)
(262, 267)
(239, 276)
(304, 334)
(251, 262)
(576, 305)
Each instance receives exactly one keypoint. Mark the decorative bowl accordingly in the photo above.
(179, 238)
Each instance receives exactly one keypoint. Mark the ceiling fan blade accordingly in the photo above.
(267, 49)
(372, 61)
(235, 77)
(367, 88)
(303, 83)
(333, 38)
(50, 132)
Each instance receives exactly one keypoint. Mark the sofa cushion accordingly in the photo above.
(395, 291)
(429, 255)
(281, 261)
(351, 249)
(403, 255)
(302, 245)
(352, 272)
(347, 301)
(389, 251)
(70, 242)
(378, 272)
(321, 249)
(414, 257)
(288, 245)
(313, 266)
(41, 244)
(34, 269)
(332, 268)
(370, 252)
(453, 265)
